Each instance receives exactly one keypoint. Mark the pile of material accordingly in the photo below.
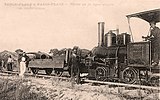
(55, 52)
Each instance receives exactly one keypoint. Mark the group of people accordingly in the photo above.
(8, 64)
(22, 63)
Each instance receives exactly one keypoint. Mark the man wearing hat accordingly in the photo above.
(75, 70)
(155, 42)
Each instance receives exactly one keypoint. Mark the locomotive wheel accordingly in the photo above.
(154, 81)
(48, 71)
(58, 73)
(101, 73)
(34, 70)
(129, 75)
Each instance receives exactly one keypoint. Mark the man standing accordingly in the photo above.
(75, 68)
(155, 42)
(9, 63)
(2, 65)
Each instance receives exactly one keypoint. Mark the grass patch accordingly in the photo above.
(18, 90)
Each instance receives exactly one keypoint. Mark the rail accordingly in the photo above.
(123, 84)
(86, 80)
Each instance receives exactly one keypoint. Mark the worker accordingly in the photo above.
(2, 65)
(75, 70)
(9, 63)
(155, 43)
(22, 66)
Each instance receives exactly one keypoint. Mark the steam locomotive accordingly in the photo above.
(118, 59)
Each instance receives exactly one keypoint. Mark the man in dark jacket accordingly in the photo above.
(155, 42)
(75, 68)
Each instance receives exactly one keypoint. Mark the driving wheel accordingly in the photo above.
(101, 73)
(129, 75)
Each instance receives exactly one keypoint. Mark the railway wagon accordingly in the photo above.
(43, 61)
(58, 64)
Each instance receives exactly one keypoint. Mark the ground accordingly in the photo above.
(31, 88)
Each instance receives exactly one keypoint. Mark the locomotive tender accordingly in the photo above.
(117, 58)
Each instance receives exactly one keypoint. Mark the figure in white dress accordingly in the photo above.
(22, 66)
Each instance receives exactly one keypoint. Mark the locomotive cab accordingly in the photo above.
(146, 46)
(140, 54)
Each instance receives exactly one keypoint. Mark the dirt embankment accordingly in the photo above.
(13, 88)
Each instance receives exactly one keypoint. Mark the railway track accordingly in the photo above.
(11, 73)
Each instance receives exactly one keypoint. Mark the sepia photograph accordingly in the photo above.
(79, 50)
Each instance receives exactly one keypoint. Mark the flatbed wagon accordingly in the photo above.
(38, 61)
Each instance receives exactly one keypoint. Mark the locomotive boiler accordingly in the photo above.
(109, 57)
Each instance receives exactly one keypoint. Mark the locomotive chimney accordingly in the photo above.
(101, 34)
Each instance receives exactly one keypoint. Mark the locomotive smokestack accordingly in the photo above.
(101, 34)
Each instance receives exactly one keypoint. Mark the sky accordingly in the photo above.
(41, 25)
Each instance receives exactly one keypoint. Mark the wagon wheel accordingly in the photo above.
(48, 71)
(101, 73)
(129, 75)
(34, 70)
(58, 73)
